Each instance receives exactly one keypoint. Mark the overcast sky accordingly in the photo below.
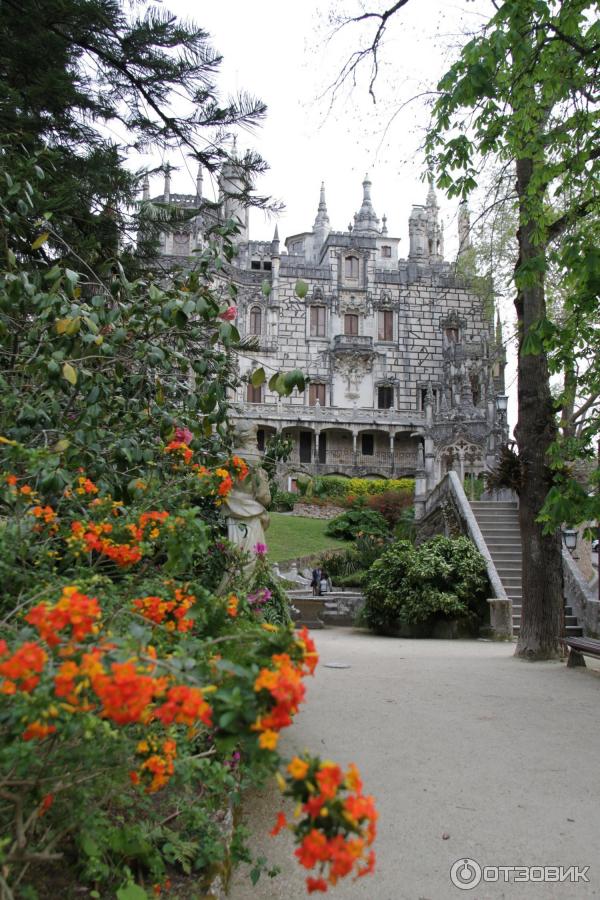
(282, 52)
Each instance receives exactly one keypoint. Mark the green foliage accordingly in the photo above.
(283, 501)
(444, 578)
(338, 488)
(506, 473)
(277, 449)
(355, 522)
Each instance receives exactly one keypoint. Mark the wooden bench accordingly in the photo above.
(580, 647)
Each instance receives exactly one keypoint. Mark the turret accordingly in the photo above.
(167, 188)
(365, 220)
(234, 180)
(146, 188)
(275, 243)
(435, 232)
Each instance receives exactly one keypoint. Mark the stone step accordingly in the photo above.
(494, 504)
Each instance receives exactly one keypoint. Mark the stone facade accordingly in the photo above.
(404, 361)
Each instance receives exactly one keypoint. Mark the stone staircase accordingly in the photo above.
(499, 524)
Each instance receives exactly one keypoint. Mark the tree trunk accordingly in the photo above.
(542, 603)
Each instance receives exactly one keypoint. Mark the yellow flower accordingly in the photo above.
(268, 740)
(281, 782)
(268, 627)
(298, 768)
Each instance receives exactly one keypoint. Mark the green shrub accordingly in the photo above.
(340, 564)
(355, 579)
(338, 488)
(356, 521)
(284, 501)
(444, 578)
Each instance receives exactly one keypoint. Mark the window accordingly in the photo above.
(256, 320)
(254, 394)
(385, 396)
(255, 264)
(367, 444)
(323, 447)
(317, 321)
(386, 325)
(452, 335)
(305, 446)
(350, 323)
(386, 252)
(267, 266)
(351, 267)
(475, 388)
(260, 439)
(316, 392)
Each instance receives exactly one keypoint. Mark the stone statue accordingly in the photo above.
(247, 517)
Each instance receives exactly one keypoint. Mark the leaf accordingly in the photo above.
(69, 373)
(301, 289)
(266, 288)
(257, 378)
(132, 892)
(62, 445)
(40, 240)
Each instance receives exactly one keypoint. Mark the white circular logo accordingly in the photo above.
(465, 874)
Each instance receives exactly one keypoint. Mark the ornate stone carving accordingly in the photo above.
(353, 366)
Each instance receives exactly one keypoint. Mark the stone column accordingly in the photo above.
(461, 465)
(317, 436)
(354, 442)
(429, 463)
(420, 484)
(392, 439)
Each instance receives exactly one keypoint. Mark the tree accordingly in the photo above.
(526, 90)
(88, 82)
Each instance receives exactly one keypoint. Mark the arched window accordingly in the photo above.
(256, 320)
(351, 267)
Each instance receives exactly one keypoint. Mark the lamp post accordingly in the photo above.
(501, 409)
(569, 536)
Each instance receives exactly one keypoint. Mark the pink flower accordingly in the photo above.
(260, 549)
(230, 314)
(184, 435)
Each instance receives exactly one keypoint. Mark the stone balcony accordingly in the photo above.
(289, 415)
(401, 463)
(344, 343)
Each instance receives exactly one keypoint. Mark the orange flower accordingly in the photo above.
(73, 609)
(316, 884)
(329, 779)
(232, 606)
(298, 768)
(181, 449)
(126, 693)
(313, 849)
(279, 824)
(46, 803)
(268, 740)
(11, 480)
(22, 669)
(85, 486)
(185, 706)
(38, 731)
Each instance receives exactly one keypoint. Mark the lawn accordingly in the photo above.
(290, 537)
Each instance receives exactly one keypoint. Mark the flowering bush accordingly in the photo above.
(122, 675)
(336, 823)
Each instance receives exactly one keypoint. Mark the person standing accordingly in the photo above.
(316, 581)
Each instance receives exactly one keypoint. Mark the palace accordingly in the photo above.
(404, 358)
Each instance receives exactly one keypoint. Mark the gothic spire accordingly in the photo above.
(431, 196)
(146, 188)
(384, 230)
(365, 220)
(199, 182)
(167, 190)
(322, 219)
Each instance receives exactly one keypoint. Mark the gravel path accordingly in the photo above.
(469, 753)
